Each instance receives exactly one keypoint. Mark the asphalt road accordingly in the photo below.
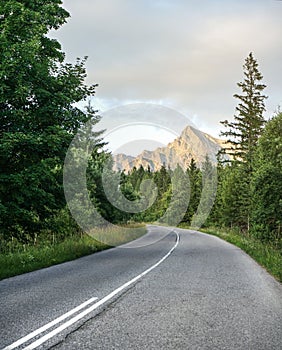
(177, 289)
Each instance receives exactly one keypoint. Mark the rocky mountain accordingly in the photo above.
(192, 143)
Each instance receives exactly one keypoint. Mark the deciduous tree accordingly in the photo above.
(38, 92)
(267, 183)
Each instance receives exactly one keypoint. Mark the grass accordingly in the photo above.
(17, 259)
(266, 254)
(117, 236)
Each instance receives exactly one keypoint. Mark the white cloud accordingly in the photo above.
(187, 54)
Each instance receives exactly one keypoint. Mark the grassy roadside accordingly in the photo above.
(21, 259)
(267, 255)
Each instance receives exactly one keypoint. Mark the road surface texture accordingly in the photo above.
(171, 289)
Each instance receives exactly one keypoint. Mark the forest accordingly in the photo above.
(39, 117)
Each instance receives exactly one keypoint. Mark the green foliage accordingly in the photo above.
(208, 193)
(16, 258)
(179, 198)
(112, 193)
(270, 143)
(162, 180)
(38, 95)
(162, 191)
(267, 183)
(232, 205)
(195, 186)
(244, 131)
(243, 135)
(267, 255)
(38, 117)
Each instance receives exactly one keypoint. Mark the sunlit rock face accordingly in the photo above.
(192, 143)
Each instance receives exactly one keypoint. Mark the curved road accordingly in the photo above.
(178, 289)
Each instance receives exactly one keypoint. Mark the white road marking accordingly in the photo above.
(49, 325)
(73, 320)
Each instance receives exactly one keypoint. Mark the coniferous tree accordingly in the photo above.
(208, 193)
(242, 137)
(234, 197)
(162, 180)
(179, 200)
(195, 185)
(242, 134)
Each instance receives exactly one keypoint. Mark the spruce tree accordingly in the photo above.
(242, 137)
(195, 187)
(242, 134)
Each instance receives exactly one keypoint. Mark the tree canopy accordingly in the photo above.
(38, 92)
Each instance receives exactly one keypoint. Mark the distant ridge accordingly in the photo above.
(192, 143)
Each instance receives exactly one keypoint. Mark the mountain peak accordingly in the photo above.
(192, 143)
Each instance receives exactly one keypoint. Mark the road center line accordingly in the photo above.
(73, 320)
(49, 325)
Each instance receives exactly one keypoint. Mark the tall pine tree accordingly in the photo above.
(242, 137)
(242, 134)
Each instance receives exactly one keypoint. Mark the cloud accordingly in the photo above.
(187, 54)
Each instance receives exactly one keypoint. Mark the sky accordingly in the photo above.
(183, 54)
